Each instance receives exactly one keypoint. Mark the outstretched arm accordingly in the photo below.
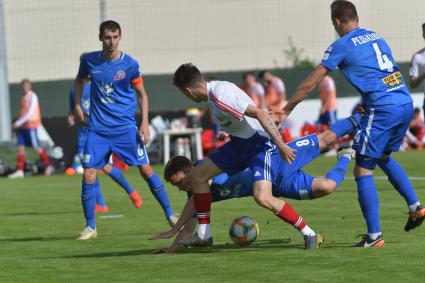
(185, 216)
(305, 88)
(184, 234)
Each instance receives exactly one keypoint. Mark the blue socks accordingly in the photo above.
(369, 202)
(99, 197)
(399, 179)
(338, 172)
(158, 190)
(119, 178)
(88, 198)
(345, 126)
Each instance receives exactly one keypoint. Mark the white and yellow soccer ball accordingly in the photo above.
(243, 230)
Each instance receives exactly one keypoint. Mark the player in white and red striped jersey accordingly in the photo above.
(254, 138)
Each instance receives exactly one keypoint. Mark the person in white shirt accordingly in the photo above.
(417, 67)
(254, 139)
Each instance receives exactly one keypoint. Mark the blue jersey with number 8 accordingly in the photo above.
(366, 61)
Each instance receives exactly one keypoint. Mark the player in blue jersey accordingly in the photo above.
(116, 89)
(109, 169)
(287, 180)
(366, 61)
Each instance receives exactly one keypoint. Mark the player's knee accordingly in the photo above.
(262, 200)
(107, 168)
(328, 187)
(146, 171)
(89, 175)
(326, 138)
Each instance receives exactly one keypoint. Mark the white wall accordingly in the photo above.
(45, 37)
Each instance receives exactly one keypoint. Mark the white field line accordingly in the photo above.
(111, 216)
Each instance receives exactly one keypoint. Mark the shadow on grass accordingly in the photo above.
(36, 239)
(35, 213)
(258, 246)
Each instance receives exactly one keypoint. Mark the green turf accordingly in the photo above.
(40, 217)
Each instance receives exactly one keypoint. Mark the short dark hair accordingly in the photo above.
(344, 11)
(186, 76)
(261, 74)
(176, 164)
(109, 25)
(245, 75)
(26, 80)
(417, 110)
(423, 26)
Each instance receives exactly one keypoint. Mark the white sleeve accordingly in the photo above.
(231, 99)
(24, 118)
(279, 85)
(258, 89)
(414, 66)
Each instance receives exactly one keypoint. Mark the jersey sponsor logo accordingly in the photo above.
(107, 89)
(393, 79)
(257, 174)
(119, 75)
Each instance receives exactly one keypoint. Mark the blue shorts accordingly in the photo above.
(237, 154)
(288, 179)
(125, 143)
(328, 118)
(382, 131)
(83, 132)
(28, 137)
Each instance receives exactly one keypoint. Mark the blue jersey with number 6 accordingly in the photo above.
(366, 61)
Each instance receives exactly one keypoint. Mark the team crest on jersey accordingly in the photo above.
(119, 75)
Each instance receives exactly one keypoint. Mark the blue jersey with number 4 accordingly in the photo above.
(112, 98)
(366, 61)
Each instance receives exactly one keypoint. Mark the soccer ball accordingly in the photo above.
(243, 230)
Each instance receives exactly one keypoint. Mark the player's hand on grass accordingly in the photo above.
(169, 250)
(144, 133)
(287, 153)
(164, 235)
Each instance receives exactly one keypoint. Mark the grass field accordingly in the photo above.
(40, 218)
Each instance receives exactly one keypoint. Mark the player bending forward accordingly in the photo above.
(288, 181)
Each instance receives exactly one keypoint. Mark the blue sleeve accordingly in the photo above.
(135, 72)
(83, 69)
(71, 99)
(334, 55)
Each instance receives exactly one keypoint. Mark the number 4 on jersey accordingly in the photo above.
(383, 61)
